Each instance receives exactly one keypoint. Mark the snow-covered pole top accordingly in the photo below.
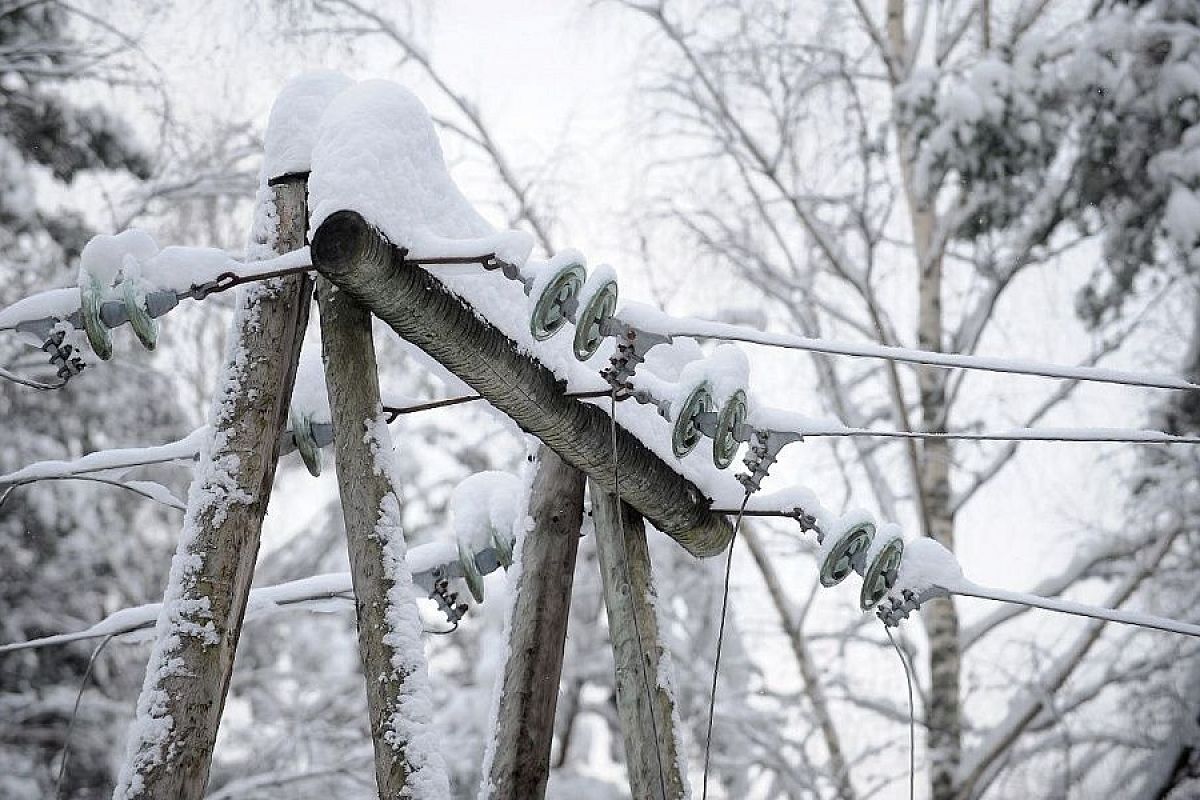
(295, 117)
(377, 153)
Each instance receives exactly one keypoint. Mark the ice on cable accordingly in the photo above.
(377, 153)
(927, 564)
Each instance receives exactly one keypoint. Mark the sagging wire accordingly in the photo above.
(733, 333)
(1097, 436)
(29, 382)
(912, 713)
(712, 695)
(637, 628)
(66, 751)
(178, 505)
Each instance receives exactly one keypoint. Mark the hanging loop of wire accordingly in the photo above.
(712, 695)
(912, 713)
(87, 673)
(637, 628)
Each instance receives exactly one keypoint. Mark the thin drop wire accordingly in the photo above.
(712, 695)
(912, 713)
(32, 384)
(637, 628)
(87, 673)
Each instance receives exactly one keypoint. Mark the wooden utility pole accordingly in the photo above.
(187, 677)
(524, 727)
(389, 628)
(351, 254)
(644, 703)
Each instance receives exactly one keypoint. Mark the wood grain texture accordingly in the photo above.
(629, 598)
(193, 690)
(352, 379)
(524, 727)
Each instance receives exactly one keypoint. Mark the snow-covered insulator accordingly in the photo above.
(597, 304)
(726, 438)
(883, 561)
(846, 549)
(471, 574)
(550, 306)
(91, 300)
(306, 443)
(686, 433)
(145, 327)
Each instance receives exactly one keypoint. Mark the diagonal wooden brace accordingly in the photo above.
(354, 256)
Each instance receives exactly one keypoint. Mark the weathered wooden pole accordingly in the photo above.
(407, 762)
(170, 747)
(524, 725)
(355, 257)
(644, 701)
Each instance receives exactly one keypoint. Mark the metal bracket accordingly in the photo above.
(447, 601)
(632, 346)
(892, 609)
(63, 356)
(764, 452)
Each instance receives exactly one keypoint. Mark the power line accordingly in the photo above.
(701, 329)
(835, 430)
(1095, 435)
(1077, 609)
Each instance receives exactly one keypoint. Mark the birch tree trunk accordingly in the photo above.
(524, 727)
(645, 703)
(170, 747)
(407, 759)
(944, 717)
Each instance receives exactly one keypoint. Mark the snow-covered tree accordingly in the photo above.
(72, 550)
(898, 172)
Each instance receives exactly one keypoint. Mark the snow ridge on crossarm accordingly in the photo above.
(377, 153)
(410, 730)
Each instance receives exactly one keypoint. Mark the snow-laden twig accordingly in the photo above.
(124, 458)
(305, 593)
